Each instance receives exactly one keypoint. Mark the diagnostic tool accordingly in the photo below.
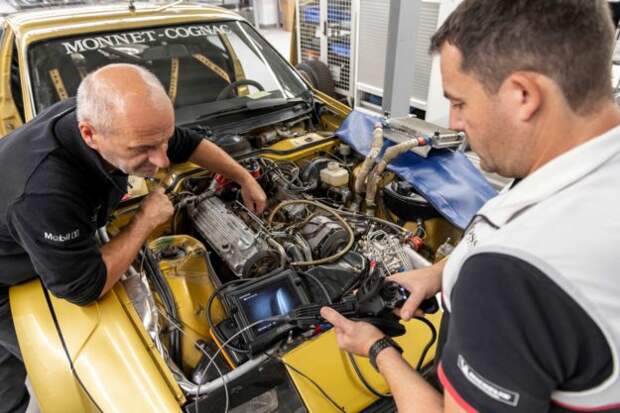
(267, 298)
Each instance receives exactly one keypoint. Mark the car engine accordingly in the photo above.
(319, 221)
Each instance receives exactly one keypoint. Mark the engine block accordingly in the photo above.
(246, 253)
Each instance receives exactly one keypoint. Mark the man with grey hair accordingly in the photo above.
(531, 293)
(66, 171)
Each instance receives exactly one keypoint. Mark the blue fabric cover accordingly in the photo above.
(447, 179)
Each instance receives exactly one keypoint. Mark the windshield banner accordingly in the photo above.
(142, 37)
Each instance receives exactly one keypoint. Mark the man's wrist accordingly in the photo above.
(142, 225)
(245, 178)
(387, 357)
(380, 346)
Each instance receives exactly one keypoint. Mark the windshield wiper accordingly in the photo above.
(251, 105)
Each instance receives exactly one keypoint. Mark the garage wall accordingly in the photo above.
(373, 34)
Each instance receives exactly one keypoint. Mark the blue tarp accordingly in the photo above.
(447, 179)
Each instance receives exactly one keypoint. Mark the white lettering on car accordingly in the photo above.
(120, 39)
(62, 237)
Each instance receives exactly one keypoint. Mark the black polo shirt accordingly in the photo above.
(54, 194)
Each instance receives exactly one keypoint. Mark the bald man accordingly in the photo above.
(66, 171)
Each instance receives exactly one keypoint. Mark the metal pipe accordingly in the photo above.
(276, 245)
(417, 260)
(192, 388)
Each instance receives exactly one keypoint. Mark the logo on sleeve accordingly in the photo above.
(62, 237)
(492, 390)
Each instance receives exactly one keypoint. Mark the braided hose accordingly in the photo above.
(325, 208)
(375, 176)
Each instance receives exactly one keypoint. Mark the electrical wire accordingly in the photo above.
(429, 344)
(66, 350)
(219, 371)
(315, 384)
(418, 367)
(319, 283)
(167, 297)
(210, 319)
(281, 318)
(358, 372)
(360, 375)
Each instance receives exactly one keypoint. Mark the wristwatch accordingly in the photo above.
(379, 346)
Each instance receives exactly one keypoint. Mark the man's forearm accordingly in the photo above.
(212, 157)
(411, 392)
(119, 253)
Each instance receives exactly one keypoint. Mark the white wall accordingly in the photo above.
(438, 107)
(267, 12)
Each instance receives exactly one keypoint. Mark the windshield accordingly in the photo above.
(199, 65)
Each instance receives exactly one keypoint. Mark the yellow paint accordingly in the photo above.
(59, 84)
(107, 351)
(211, 65)
(292, 143)
(174, 79)
(238, 68)
(10, 118)
(322, 360)
(191, 286)
(32, 26)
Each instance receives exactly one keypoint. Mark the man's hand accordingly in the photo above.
(123, 248)
(422, 284)
(155, 209)
(353, 336)
(253, 195)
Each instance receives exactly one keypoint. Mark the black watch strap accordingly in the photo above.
(379, 346)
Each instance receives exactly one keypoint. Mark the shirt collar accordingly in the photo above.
(68, 134)
(553, 177)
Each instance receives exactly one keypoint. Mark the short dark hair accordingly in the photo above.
(569, 41)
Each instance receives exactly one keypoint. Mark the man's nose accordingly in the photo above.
(159, 157)
(456, 121)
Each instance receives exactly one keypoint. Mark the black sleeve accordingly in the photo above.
(60, 240)
(182, 144)
(515, 337)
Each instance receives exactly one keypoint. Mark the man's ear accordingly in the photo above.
(524, 92)
(88, 134)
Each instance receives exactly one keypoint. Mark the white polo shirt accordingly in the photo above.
(555, 237)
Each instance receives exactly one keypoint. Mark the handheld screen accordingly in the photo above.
(271, 300)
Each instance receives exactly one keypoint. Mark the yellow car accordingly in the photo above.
(173, 335)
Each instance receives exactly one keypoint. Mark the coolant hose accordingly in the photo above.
(375, 150)
(375, 176)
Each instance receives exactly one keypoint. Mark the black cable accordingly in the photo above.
(360, 375)
(66, 350)
(351, 358)
(354, 282)
(319, 283)
(215, 279)
(429, 344)
(315, 384)
(167, 297)
(425, 350)
(210, 319)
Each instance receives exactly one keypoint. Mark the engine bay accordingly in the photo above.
(320, 231)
